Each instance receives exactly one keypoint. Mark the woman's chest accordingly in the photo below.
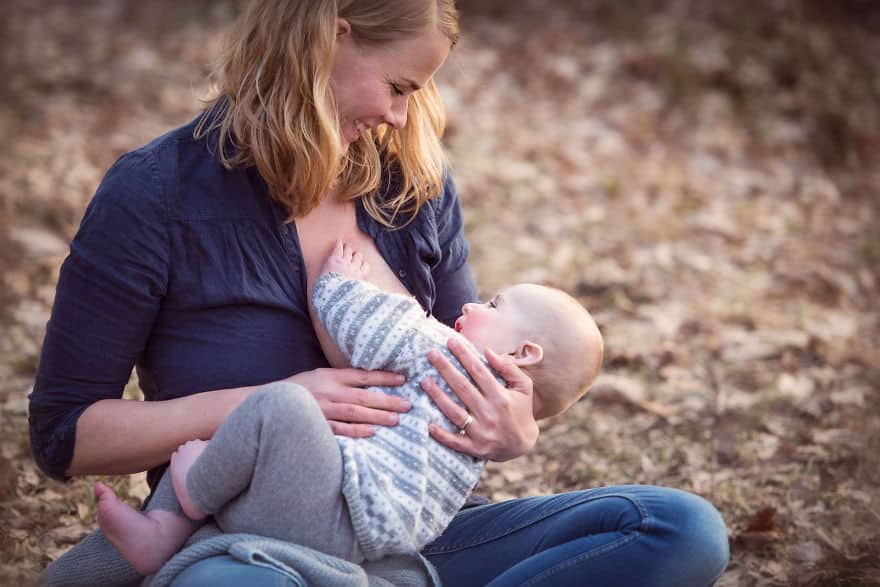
(318, 232)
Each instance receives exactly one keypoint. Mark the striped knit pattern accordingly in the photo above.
(402, 487)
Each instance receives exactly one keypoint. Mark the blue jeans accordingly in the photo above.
(611, 536)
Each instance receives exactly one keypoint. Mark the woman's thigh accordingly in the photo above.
(225, 571)
(630, 535)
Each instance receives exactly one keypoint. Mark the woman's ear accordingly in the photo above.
(528, 354)
(343, 27)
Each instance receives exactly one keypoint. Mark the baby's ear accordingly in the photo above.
(528, 354)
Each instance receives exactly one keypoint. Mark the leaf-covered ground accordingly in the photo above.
(705, 179)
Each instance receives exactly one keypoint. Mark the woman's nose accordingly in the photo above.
(396, 116)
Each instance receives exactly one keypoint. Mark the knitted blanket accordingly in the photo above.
(94, 561)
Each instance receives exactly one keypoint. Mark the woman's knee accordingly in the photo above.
(696, 533)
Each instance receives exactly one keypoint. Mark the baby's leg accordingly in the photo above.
(181, 462)
(146, 540)
(274, 469)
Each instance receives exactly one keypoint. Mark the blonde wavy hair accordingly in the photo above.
(272, 105)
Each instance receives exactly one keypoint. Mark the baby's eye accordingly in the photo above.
(397, 90)
(491, 303)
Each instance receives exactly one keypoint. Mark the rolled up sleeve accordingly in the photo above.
(108, 295)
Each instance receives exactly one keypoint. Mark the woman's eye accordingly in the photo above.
(398, 91)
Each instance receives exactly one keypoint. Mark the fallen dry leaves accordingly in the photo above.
(705, 181)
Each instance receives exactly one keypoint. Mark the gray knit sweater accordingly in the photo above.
(402, 487)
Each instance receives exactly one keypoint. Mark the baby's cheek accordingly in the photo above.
(474, 330)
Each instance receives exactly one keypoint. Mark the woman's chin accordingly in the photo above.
(349, 136)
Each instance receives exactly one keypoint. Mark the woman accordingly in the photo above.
(195, 260)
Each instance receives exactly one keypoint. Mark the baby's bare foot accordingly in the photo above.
(181, 461)
(145, 540)
(346, 260)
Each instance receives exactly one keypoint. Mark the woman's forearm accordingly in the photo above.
(116, 437)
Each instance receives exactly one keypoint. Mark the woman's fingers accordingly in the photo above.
(362, 378)
(454, 412)
(358, 414)
(516, 378)
(344, 398)
(484, 379)
(352, 430)
(468, 394)
(503, 425)
(459, 442)
(352, 402)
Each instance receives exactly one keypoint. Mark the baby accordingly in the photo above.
(274, 467)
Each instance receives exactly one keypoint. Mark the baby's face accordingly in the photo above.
(498, 323)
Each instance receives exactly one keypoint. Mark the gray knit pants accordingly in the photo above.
(274, 469)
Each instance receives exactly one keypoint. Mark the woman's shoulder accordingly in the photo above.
(181, 174)
(141, 172)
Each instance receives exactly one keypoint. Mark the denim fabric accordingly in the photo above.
(613, 536)
(225, 571)
(629, 536)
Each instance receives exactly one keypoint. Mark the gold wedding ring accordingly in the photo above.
(463, 428)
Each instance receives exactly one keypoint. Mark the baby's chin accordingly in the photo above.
(480, 346)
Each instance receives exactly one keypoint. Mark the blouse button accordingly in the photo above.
(401, 273)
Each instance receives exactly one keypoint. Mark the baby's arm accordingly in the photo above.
(370, 326)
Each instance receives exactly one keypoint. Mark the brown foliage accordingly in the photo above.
(703, 177)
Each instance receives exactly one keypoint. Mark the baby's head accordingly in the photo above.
(548, 334)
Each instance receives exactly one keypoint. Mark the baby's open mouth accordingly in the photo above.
(458, 325)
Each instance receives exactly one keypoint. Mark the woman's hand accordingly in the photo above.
(503, 425)
(351, 409)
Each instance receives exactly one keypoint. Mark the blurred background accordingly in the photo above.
(703, 176)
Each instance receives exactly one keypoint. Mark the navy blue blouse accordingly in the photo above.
(189, 272)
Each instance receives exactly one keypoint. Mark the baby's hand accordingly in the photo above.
(344, 259)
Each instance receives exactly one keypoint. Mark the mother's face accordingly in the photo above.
(372, 85)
